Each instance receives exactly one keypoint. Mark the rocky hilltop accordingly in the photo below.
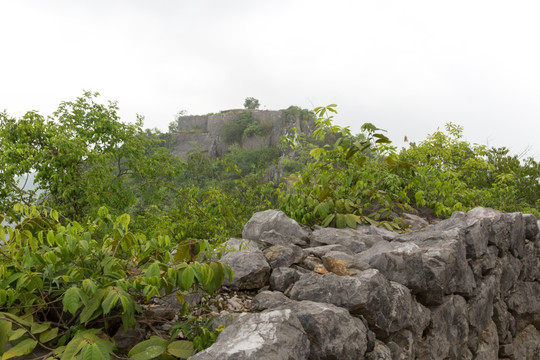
(205, 132)
(464, 288)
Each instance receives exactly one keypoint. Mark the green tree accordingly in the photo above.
(251, 103)
(83, 157)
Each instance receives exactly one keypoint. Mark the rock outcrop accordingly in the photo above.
(465, 288)
(204, 132)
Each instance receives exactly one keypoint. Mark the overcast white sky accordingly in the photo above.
(406, 66)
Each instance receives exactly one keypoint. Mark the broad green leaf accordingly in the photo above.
(110, 300)
(91, 352)
(152, 270)
(71, 300)
(351, 220)
(18, 319)
(181, 348)
(5, 328)
(25, 347)
(149, 349)
(93, 304)
(38, 328)
(340, 221)
(73, 348)
(48, 335)
(187, 278)
(17, 334)
(328, 220)
(54, 215)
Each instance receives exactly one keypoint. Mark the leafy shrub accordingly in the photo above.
(64, 285)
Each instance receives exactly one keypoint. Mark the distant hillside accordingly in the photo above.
(250, 129)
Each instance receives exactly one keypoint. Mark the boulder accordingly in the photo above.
(283, 256)
(352, 239)
(431, 266)
(270, 335)
(332, 332)
(343, 264)
(447, 335)
(526, 345)
(273, 237)
(488, 343)
(272, 220)
(531, 226)
(282, 278)
(268, 300)
(368, 294)
(251, 270)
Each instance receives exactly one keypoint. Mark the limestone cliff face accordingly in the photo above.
(204, 132)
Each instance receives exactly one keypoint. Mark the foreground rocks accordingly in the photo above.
(465, 288)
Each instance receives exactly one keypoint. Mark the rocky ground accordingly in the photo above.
(463, 288)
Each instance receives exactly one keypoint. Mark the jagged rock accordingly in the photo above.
(488, 343)
(282, 278)
(273, 237)
(380, 352)
(504, 321)
(446, 336)
(320, 251)
(352, 239)
(343, 264)
(272, 220)
(251, 270)
(480, 308)
(368, 294)
(415, 222)
(314, 264)
(432, 265)
(283, 256)
(482, 265)
(270, 335)
(508, 269)
(526, 345)
(402, 345)
(531, 226)
(524, 303)
(333, 333)
(531, 263)
(268, 300)
(375, 233)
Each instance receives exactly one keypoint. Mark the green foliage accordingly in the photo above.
(251, 103)
(63, 283)
(245, 125)
(83, 158)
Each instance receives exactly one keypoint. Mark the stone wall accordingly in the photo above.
(190, 128)
(464, 288)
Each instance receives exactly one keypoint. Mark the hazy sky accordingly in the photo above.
(407, 66)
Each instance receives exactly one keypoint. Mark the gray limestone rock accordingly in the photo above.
(270, 335)
(350, 238)
(272, 220)
(415, 222)
(282, 278)
(343, 264)
(526, 345)
(531, 226)
(320, 251)
(283, 256)
(447, 335)
(274, 237)
(380, 352)
(432, 266)
(333, 333)
(268, 300)
(251, 270)
(368, 294)
(488, 343)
